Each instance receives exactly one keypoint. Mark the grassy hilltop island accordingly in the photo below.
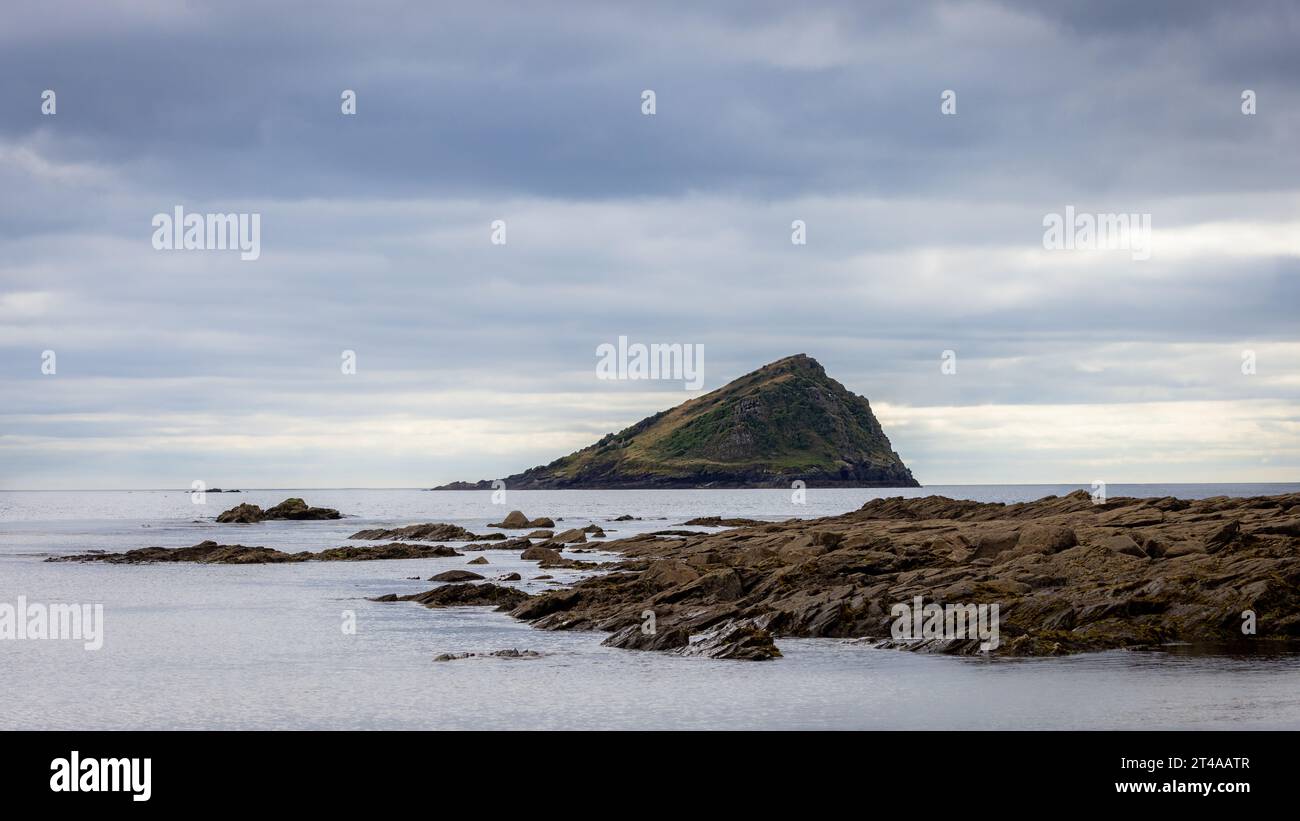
(785, 421)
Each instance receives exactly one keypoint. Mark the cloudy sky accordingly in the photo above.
(474, 360)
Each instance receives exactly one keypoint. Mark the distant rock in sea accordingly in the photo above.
(294, 508)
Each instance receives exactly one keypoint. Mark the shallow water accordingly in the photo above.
(192, 646)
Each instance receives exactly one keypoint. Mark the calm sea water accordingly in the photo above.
(263, 647)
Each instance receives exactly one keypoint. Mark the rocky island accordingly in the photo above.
(784, 422)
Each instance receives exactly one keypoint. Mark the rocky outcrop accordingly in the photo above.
(295, 509)
(634, 637)
(1067, 575)
(516, 520)
(210, 552)
(738, 639)
(242, 514)
(785, 422)
(433, 532)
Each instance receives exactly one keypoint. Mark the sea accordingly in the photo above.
(300, 646)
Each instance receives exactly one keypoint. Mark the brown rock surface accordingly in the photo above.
(1068, 575)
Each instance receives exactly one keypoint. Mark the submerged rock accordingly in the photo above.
(499, 654)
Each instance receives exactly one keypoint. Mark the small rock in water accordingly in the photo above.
(455, 576)
(500, 654)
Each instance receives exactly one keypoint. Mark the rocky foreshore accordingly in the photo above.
(1067, 574)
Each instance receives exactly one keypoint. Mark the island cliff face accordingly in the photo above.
(785, 421)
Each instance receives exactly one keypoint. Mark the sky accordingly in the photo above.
(924, 284)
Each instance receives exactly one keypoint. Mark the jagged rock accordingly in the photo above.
(1223, 537)
(241, 514)
(633, 637)
(293, 508)
(297, 509)
(537, 606)
(479, 560)
(739, 639)
(571, 536)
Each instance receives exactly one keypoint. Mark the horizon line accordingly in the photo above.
(519, 490)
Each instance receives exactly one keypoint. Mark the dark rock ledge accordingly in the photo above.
(212, 553)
